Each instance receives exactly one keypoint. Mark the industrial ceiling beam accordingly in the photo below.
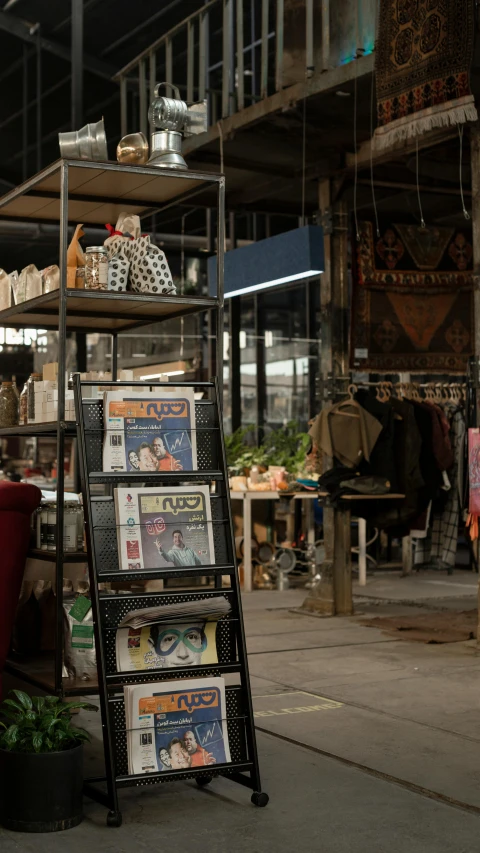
(27, 32)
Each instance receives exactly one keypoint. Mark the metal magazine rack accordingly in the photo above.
(108, 609)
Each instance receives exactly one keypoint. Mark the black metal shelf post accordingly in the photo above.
(108, 610)
(95, 193)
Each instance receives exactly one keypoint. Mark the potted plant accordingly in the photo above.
(41, 763)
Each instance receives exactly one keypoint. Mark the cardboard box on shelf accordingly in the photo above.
(50, 371)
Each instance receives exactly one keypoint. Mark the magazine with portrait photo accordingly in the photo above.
(161, 527)
(187, 721)
(150, 430)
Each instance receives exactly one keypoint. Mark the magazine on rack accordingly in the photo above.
(150, 430)
(163, 645)
(176, 725)
(161, 527)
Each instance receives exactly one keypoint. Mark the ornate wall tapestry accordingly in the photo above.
(412, 306)
(423, 57)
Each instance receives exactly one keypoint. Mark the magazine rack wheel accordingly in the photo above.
(203, 780)
(260, 799)
(114, 819)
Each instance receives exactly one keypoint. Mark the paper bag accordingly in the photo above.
(30, 282)
(75, 259)
(51, 278)
(5, 291)
(127, 227)
(149, 270)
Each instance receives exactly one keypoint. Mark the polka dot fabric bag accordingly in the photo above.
(118, 268)
(149, 270)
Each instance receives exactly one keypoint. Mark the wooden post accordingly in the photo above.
(475, 163)
(333, 593)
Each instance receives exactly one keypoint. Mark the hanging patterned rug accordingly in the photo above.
(423, 56)
(412, 300)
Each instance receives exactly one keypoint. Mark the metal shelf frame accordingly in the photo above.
(90, 192)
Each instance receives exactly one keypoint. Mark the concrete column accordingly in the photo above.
(332, 594)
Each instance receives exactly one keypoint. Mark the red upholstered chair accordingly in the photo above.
(17, 502)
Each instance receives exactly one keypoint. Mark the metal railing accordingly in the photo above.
(232, 52)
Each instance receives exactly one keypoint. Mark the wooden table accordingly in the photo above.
(247, 497)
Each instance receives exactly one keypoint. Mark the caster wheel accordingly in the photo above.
(260, 799)
(449, 571)
(114, 819)
(203, 780)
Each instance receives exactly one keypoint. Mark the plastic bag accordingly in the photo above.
(149, 270)
(80, 658)
(76, 261)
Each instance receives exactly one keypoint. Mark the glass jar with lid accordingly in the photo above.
(8, 406)
(34, 377)
(23, 405)
(96, 268)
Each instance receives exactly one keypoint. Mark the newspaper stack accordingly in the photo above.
(176, 725)
(208, 608)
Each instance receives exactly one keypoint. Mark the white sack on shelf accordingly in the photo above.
(5, 291)
(149, 270)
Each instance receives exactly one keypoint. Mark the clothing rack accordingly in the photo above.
(434, 392)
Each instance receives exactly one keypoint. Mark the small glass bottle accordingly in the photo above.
(34, 377)
(96, 268)
(8, 406)
(70, 526)
(23, 406)
(14, 385)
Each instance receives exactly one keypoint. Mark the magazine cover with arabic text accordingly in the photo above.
(176, 725)
(150, 430)
(161, 527)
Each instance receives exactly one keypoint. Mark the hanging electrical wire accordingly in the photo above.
(422, 221)
(465, 211)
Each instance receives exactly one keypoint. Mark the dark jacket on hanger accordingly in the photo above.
(382, 458)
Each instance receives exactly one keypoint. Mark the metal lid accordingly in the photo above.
(100, 249)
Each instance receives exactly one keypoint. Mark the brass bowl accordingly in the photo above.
(133, 149)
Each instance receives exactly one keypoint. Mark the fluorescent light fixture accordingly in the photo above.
(163, 373)
(292, 256)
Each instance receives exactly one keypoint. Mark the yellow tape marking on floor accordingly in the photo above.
(321, 705)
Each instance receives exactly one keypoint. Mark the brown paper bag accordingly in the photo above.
(30, 282)
(51, 278)
(75, 259)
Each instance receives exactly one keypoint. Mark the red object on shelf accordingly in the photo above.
(17, 502)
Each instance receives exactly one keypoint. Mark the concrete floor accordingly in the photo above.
(366, 742)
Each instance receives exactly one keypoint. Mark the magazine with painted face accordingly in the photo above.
(161, 527)
(164, 645)
(150, 431)
(176, 725)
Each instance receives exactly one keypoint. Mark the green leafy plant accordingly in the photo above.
(287, 447)
(40, 723)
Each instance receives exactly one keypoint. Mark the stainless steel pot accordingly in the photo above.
(166, 152)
